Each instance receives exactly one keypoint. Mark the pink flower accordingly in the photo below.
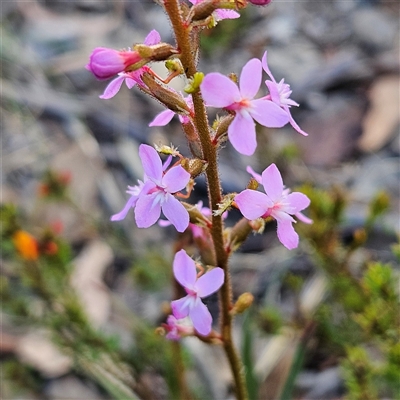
(131, 78)
(176, 328)
(219, 91)
(220, 14)
(156, 193)
(196, 288)
(134, 191)
(104, 63)
(164, 117)
(277, 203)
(279, 93)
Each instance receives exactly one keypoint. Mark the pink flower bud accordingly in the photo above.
(260, 2)
(104, 63)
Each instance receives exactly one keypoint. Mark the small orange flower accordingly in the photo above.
(26, 245)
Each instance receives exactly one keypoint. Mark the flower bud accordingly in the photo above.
(194, 166)
(104, 63)
(171, 99)
(157, 52)
(244, 301)
(260, 2)
(239, 234)
(221, 126)
(195, 215)
(253, 184)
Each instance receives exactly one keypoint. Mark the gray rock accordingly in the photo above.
(70, 387)
(322, 385)
(374, 29)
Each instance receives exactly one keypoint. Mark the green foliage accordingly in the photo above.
(247, 357)
(327, 211)
(378, 206)
(362, 311)
(152, 271)
(223, 35)
(359, 372)
(24, 380)
(270, 320)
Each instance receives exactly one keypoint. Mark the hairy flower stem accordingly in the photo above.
(187, 57)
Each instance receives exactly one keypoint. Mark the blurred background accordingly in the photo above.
(81, 297)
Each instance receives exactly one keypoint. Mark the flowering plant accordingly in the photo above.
(159, 191)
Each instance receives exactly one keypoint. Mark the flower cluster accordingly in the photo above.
(277, 202)
(157, 193)
(272, 111)
(196, 288)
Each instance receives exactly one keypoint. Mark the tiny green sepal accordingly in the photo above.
(194, 83)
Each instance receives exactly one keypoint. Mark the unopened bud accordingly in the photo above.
(239, 233)
(174, 66)
(195, 215)
(204, 9)
(195, 166)
(233, 77)
(221, 125)
(173, 100)
(253, 184)
(157, 52)
(244, 301)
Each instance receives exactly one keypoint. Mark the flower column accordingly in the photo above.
(184, 45)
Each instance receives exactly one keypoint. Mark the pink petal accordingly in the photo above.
(301, 217)
(163, 118)
(175, 212)
(254, 174)
(287, 235)
(184, 269)
(272, 182)
(226, 14)
(273, 91)
(130, 83)
(164, 223)
(219, 91)
(268, 114)
(294, 124)
(181, 307)
(147, 210)
(298, 201)
(253, 204)
(201, 318)
(122, 214)
(166, 163)
(112, 88)
(175, 179)
(151, 162)
(152, 38)
(266, 68)
(210, 282)
(250, 78)
(242, 133)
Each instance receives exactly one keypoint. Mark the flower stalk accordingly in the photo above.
(185, 46)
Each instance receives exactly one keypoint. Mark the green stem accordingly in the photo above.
(187, 55)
